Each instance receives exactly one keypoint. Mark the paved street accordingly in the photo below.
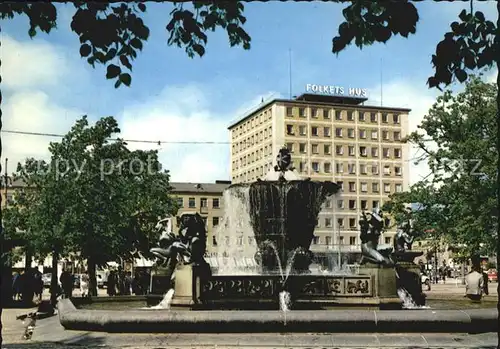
(49, 334)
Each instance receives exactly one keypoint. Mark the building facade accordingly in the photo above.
(330, 138)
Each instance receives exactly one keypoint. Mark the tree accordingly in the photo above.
(96, 198)
(459, 202)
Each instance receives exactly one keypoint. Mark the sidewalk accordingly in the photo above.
(13, 329)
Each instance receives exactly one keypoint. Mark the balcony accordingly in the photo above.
(335, 248)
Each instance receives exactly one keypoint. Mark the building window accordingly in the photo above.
(387, 170)
(395, 118)
(316, 240)
(351, 150)
(352, 240)
(352, 187)
(328, 241)
(385, 135)
(338, 115)
(340, 222)
(352, 223)
(362, 134)
(364, 204)
(204, 221)
(339, 168)
(289, 111)
(302, 166)
(350, 115)
(375, 187)
(314, 130)
(214, 241)
(384, 118)
(397, 153)
(339, 150)
(352, 168)
(302, 147)
(397, 171)
(399, 188)
(374, 134)
(364, 187)
(328, 203)
(302, 130)
(239, 240)
(350, 133)
(326, 114)
(289, 130)
(327, 148)
(338, 132)
(362, 168)
(289, 146)
(341, 185)
(352, 204)
(315, 167)
(385, 152)
(375, 204)
(326, 132)
(203, 202)
(340, 204)
(375, 152)
(361, 116)
(387, 240)
(397, 136)
(314, 148)
(373, 117)
(362, 151)
(387, 187)
(314, 112)
(180, 202)
(328, 167)
(302, 112)
(375, 169)
(328, 222)
(215, 221)
(192, 202)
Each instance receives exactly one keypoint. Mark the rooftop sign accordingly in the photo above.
(337, 90)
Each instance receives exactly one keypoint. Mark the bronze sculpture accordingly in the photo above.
(372, 226)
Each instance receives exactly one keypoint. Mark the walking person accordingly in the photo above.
(37, 284)
(16, 289)
(84, 285)
(67, 283)
(474, 281)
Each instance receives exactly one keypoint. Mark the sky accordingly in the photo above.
(47, 86)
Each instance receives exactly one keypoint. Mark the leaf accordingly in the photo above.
(85, 50)
(136, 43)
(461, 75)
(124, 60)
(142, 7)
(112, 71)
(125, 78)
(200, 50)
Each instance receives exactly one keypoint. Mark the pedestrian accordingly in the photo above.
(474, 281)
(37, 284)
(15, 286)
(84, 285)
(67, 283)
(111, 283)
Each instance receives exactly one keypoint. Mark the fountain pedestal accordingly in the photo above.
(385, 285)
(185, 286)
(409, 275)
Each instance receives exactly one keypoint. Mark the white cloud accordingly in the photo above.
(31, 63)
(417, 97)
(32, 111)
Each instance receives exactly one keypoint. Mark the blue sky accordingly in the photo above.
(173, 97)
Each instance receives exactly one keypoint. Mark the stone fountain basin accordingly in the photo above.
(337, 321)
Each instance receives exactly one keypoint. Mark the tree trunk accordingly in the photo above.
(91, 265)
(54, 282)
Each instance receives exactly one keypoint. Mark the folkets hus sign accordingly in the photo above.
(337, 90)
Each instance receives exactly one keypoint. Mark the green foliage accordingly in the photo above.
(460, 201)
(96, 198)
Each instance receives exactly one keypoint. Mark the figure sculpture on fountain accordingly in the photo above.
(372, 225)
(187, 247)
(403, 240)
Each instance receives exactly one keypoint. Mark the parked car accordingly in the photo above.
(492, 275)
(425, 281)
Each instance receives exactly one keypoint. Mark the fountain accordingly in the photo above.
(280, 212)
